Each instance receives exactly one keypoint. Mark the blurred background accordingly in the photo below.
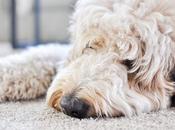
(31, 22)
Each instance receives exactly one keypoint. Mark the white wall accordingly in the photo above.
(55, 19)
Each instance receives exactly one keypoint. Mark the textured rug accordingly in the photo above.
(35, 115)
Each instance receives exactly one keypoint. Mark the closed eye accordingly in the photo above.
(88, 48)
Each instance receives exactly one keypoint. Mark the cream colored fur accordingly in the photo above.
(28, 75)
(105, 33)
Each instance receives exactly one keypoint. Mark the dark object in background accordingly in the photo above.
(14, 38)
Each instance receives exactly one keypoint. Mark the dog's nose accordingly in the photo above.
(74, 107)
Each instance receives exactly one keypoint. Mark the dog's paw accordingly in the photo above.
(54, 94)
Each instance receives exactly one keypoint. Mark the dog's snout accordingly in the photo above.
(74, 107)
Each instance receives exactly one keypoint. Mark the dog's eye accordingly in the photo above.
(88, 46)
(88, 49)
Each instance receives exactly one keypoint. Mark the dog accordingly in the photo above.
(122, 62)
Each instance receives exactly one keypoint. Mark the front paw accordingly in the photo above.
(53, 96)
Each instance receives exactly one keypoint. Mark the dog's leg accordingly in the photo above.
(27, 75)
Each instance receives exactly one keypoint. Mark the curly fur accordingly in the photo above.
(106, 34)
(121, 61)
(28, 75)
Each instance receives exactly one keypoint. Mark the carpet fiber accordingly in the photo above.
(35, 115)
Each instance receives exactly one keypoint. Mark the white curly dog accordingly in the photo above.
(122, 62)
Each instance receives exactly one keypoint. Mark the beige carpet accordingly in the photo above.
(34, 115)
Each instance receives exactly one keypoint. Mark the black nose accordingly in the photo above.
(74, 107)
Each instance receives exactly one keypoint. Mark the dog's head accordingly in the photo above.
(89, 85)
(118, 67)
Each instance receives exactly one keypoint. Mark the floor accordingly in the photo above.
(35, 115)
